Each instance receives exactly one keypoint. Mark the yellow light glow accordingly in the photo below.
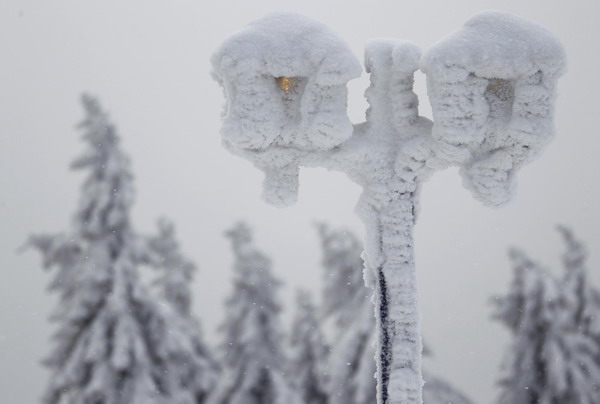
(287, 84)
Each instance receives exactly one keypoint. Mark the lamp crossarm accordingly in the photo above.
(492, 90)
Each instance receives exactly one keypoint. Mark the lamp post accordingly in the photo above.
(491, 85)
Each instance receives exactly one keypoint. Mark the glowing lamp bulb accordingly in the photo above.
(285, 83)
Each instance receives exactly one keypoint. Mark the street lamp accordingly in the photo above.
(491, 86)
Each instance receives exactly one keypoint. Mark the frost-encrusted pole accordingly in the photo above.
(491, 85)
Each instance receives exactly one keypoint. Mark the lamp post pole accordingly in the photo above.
(492, 88)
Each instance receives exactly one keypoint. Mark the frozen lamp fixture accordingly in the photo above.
(492, 89)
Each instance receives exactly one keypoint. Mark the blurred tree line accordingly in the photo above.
(120, 340)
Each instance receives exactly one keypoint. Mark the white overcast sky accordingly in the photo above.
(148, 61)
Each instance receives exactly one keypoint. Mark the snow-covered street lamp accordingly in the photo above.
(491, 85)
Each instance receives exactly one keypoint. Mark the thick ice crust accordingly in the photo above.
(492, 87)
(311, 113)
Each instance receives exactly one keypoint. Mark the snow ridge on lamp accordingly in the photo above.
(284, 79)
(492, 87)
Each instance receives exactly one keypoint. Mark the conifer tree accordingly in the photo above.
(582, 299)
(105, 349)
(310, 353)
(548, 362)
(191, 369)
(344, 288)
(254, 365)
(346, 301)
(176, 271)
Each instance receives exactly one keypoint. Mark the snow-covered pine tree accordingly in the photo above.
(191, 369)
(528, 310)
(346, 301)
(176, 271)
(547, 363)
(310, 352)
(104, 351)
(254, 365)
(582, 299)
(343, 286)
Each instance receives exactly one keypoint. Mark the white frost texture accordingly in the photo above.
(492, 88)
(272, 125)
(345, 301)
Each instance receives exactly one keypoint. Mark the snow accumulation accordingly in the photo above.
(553, 323)
(491, 85)
(309, 115)
(115, 342)
(254, 370)
(392, 63)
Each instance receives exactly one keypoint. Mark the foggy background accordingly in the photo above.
(148, 62)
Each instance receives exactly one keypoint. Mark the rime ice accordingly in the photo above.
(285, 79)
(346, 301)
(492, 88)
